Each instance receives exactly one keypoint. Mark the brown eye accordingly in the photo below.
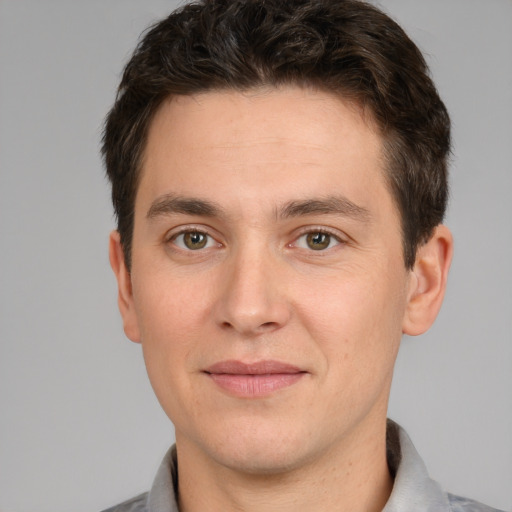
(318, 241)
(193, 240)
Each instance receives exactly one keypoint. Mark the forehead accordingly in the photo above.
(264, 145)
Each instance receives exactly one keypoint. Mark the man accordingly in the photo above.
(279, 175)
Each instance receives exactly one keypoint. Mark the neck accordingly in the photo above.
(351, 477)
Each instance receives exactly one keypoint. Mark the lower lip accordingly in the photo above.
(253, 386)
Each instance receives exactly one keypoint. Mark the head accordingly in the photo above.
(279, 174)
(347, 48)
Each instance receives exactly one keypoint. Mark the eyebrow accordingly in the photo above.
(337, 205)
(169, 204)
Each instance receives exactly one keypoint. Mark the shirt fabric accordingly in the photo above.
(413, 490)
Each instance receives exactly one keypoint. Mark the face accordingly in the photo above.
(267, 286)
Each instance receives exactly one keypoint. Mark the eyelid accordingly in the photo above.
(174, 233)
(336, 233)
(339, 236)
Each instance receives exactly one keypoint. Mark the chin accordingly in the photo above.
(262, 451)
(260, 461)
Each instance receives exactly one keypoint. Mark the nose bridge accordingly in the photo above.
(252, 300)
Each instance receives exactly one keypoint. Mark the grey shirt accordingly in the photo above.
(413, 490)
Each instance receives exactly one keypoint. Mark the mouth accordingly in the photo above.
(253, 380)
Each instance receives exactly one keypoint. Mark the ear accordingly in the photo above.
(124, 284)
(428, 282)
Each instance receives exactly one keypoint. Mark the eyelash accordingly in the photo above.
(308, 231)
(189, 229)
(319, 230)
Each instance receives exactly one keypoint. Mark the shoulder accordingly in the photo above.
(137, 504)
(460, 504)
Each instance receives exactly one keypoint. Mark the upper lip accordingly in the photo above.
(233, 367)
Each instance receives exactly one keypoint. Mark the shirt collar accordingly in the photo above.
(163, 496)
(413, 489)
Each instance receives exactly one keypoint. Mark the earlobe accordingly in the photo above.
(125, 296)
(428, 282)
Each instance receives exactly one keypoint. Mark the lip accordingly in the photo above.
(253, 380)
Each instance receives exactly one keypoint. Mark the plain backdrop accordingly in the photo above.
(80, 428)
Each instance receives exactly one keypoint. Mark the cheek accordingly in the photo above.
(356, 317)
(170, 319)
(170, 309)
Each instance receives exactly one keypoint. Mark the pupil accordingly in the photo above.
(318, 241)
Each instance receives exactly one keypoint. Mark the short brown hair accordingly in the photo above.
(346, 47)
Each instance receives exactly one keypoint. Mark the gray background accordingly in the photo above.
(79, 426)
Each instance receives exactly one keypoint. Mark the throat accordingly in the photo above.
(334, 484)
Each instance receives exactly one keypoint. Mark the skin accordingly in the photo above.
(261, 289)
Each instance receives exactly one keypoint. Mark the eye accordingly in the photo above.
(317, 241)
(193, 240)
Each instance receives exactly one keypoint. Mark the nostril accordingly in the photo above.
(266, 326)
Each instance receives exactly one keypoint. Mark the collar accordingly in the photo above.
(413, 489)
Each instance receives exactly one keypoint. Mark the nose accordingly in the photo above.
(253, 297)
